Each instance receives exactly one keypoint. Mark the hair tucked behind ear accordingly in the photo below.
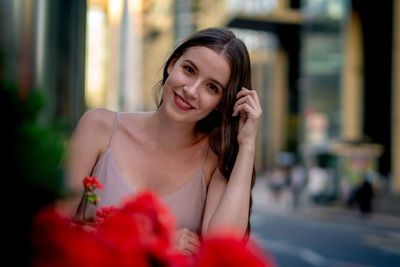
(221, 127)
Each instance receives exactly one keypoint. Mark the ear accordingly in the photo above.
(171, 66)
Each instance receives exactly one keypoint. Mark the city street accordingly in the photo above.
(322, 236)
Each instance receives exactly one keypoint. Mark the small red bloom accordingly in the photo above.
(90, 183)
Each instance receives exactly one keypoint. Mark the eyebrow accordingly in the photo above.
(195, 67)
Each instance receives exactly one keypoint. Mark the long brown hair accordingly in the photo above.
(221, 127)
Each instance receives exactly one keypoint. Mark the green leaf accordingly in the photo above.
(92, 198)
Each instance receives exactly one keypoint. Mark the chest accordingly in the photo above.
(159, 171)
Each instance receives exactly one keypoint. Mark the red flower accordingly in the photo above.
(59, 243)
(154, 216)
(104, 213)
(145, 222)
(138, 234)
(90, 183)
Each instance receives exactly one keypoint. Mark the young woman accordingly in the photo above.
(196, 151)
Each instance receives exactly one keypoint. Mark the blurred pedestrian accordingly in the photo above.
(297, 182)
(365, 193)
(277, 181)
(318, 182)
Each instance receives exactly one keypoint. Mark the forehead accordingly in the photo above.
(210, 63)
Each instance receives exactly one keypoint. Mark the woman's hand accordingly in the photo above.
(186, 241)
(249, 108)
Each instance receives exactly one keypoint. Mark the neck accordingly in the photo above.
(169, 133)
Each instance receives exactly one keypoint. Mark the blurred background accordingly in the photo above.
(327, 73)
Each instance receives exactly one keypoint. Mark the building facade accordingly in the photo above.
(326, 70)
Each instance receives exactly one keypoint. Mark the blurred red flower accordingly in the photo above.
(104, 213)
(139, 233)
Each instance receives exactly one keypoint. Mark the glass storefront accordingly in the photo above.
(322, 63)
(322, 59)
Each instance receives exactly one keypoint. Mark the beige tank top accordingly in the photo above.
(186, 204)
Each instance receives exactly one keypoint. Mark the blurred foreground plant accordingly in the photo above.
(137, 234)
(32, 160)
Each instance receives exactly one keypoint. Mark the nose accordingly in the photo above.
(191, 90)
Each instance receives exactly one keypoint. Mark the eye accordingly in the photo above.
(213, 88)
(188, 69)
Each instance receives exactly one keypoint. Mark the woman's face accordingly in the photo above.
(195, 84)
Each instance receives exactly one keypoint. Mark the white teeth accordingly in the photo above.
(183, 103)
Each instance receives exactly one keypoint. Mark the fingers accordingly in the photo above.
(186, 241)
(248, 103)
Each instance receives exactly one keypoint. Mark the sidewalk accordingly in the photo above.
(265, 201)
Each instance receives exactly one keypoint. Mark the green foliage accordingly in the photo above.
(40, 154)
(35, 149)
(32, 173)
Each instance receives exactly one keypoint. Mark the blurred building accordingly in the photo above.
(42, 46)
(114, 54)
(337, 54)
(348, 52)
(326, 70)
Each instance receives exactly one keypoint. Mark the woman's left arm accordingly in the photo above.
(227, 206)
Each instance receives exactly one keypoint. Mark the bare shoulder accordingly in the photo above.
(98, 118)
(94, 127)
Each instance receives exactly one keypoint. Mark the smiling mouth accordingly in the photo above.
(181, 103)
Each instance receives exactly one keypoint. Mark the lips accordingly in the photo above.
(182, 103)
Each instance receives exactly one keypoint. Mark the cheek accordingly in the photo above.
(169, 84)
(175, 78)
(212, 102)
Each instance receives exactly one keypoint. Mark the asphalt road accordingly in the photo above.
(323, 236)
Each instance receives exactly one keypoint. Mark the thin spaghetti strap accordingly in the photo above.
(114, 129)
(205, 155)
